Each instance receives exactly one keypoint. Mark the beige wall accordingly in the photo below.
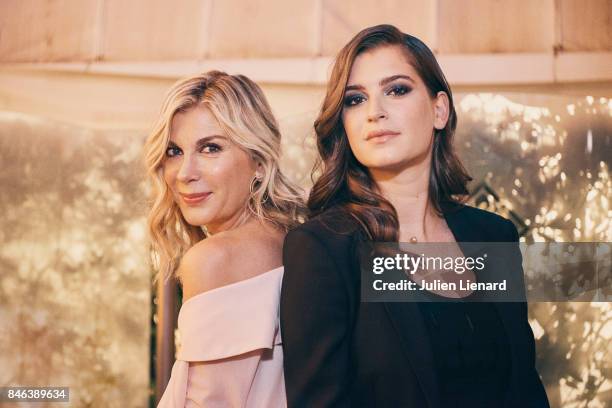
(119, 101)
(146, 30)
(107, 63)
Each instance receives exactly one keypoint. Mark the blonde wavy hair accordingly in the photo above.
(244, 115)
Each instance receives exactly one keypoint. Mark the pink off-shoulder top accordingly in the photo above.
(230, 353)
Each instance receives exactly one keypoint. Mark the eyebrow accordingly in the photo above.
(382, 82)
(201, 141)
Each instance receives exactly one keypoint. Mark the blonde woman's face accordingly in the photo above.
(208, 174)
(388, 115)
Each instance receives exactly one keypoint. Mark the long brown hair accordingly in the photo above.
(346, 183)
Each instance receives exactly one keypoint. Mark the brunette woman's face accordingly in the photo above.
(388, 114)
(208, 174)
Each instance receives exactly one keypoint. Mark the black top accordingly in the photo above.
(470, 352)
(341, 352)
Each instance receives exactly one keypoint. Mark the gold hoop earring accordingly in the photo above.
(254, 183)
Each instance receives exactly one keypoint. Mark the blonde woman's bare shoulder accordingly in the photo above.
(204, 266)
(227, 258)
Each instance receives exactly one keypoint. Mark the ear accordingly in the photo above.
(259, 171)
(441, 110)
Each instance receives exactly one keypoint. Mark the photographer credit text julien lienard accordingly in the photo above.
(410, 264)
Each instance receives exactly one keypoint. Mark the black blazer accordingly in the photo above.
(339, 352)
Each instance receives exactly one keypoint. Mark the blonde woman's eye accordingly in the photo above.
(211, 148)
(173, 151)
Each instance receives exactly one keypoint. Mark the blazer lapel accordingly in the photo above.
(410, 327)
(509, 313)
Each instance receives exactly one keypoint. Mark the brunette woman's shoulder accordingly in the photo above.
(334, 222)
(495, 226)
(333, 230)
(322, 250)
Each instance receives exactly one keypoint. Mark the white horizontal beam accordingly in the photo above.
(498, 69)
(473, 69)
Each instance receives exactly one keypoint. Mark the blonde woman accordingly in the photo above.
(220, 213)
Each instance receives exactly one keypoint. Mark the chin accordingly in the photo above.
(385, 161)
(195, 219)
(395, 160)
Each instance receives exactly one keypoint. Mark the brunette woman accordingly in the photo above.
(389, 173)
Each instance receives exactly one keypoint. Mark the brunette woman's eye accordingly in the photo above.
(398, 90)
(173, 151)
(352, 100)
(211, 148)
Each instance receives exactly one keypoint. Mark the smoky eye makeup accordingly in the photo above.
(353, 99)
(397, 89)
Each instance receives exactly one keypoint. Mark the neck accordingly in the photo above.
(237, 220)
(408, 192)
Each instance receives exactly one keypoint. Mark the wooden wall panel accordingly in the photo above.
(495, 26)
(585, 25)
(155, 29)
(159, 30)
(48, 30)
(93, 101)
(343, 19)
(262, 28)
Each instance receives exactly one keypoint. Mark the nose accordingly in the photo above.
(376, 111)
(188, 170)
